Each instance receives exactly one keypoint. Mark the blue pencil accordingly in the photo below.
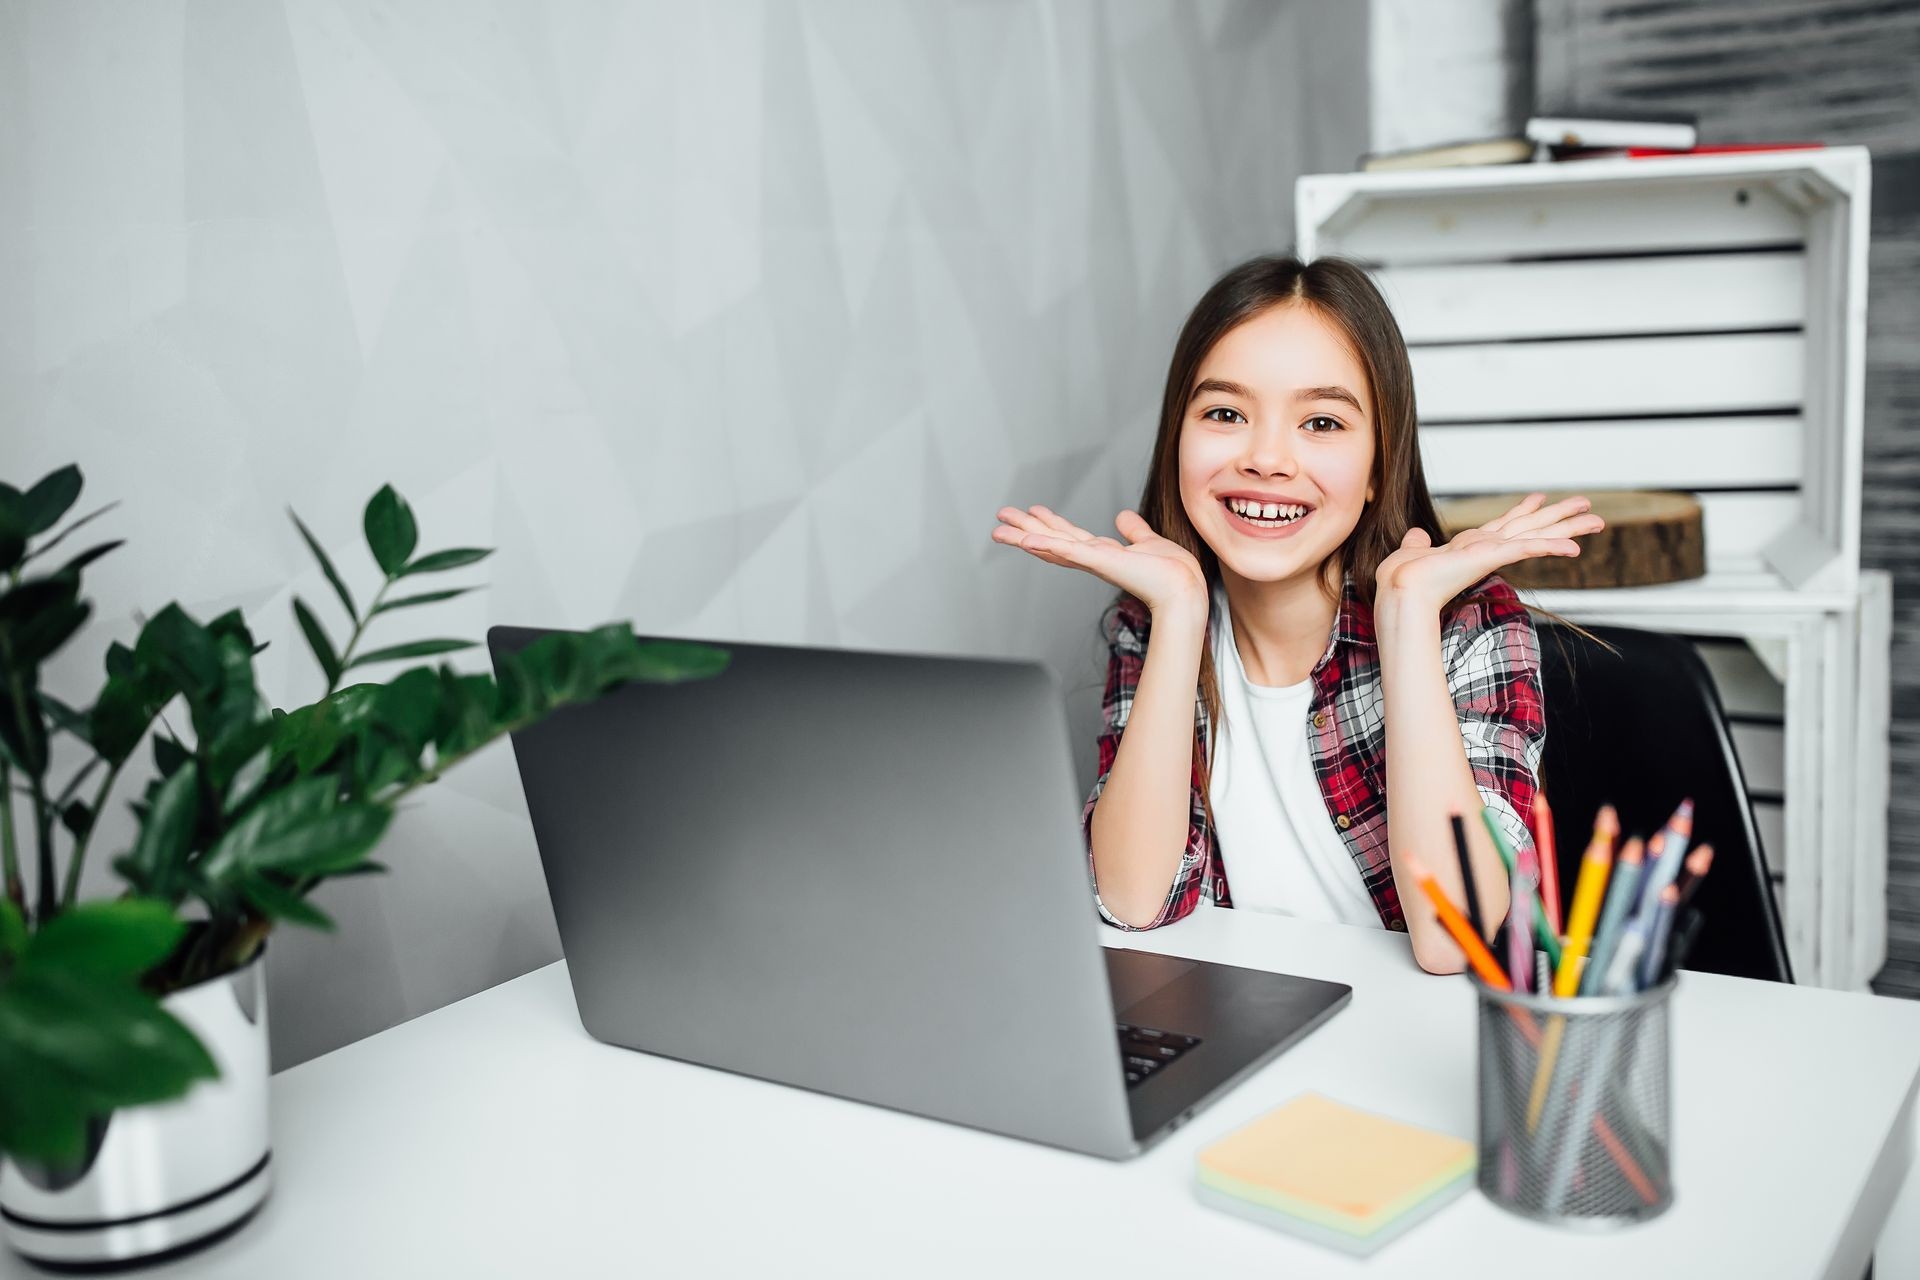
(1621, 896)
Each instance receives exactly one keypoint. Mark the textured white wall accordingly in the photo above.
(1448, 71)
(737, 320)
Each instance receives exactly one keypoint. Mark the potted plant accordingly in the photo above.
(133, 1045)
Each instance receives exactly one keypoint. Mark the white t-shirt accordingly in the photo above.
(1279, 845)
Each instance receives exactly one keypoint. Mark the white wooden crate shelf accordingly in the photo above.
(1697, 324)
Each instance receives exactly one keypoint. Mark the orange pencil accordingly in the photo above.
(1456, 924)
(1692, 869)
(1549, 864)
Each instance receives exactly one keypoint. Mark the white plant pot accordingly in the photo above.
(164, 1178)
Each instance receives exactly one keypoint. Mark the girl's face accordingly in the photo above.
(1280, 416)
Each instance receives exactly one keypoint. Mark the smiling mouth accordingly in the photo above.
(1268, 515)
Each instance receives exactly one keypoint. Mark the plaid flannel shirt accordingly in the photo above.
(1492, 659)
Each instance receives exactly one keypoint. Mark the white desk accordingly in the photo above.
(494, 1137)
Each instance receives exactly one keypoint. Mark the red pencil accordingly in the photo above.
(1549, 863)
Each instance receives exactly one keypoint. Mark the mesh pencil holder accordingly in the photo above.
(1575, 1114)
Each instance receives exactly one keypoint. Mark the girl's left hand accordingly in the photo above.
(1423, 573)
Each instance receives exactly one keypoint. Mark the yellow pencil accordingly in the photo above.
(1595, 867)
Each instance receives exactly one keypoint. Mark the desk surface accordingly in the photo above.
(494, 1137)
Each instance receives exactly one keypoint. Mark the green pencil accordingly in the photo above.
(1542, 931)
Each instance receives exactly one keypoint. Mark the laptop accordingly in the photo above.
(862, 874)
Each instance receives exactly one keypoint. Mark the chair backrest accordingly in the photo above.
(1641, 729)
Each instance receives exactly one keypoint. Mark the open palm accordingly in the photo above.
(1159, 573)
(1422, 571)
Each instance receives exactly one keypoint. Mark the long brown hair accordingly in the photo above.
(1341, 292)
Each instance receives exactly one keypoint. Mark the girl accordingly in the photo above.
(1358, 681)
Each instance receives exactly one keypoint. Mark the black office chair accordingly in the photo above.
(1639, 730)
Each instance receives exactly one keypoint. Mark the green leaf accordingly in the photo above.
(120, 664)
(23, 733)
(673, 661)
(159, 854)
(13, 528)
(466, 717)
(326, 567)
(61, 537)
(87, 557)
(77, 817)
(47, 501)
(282, 903)
(407, 707)
(425, 597)
(184, 651)
(234, 702)
(322, 647)
(301, 829)
(443, 560)
(37, 617)
(168, 754)
(13, 930)
(73, 1047)
(123, 938)
(65, 717)
(391, 534)
(246, 782)
(126, 706)
(416, 649)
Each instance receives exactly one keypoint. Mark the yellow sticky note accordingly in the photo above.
(1330, 1163)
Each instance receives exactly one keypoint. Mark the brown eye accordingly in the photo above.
(1333, 424)
(1221, 409)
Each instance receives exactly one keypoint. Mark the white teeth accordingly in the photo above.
(1266, 511)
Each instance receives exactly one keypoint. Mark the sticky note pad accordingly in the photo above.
(1334, 1173)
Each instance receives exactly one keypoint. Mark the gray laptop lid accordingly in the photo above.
(859, 873)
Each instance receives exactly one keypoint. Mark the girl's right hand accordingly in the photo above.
(1161, 574)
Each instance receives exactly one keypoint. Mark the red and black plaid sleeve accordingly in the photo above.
(1127, 627)
(1493, 669)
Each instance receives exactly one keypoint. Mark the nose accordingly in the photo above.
(1269, 451)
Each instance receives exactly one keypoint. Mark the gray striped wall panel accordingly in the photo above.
(1836, 71)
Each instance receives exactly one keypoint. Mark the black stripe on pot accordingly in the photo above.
(102, 1224)
(106, 1266)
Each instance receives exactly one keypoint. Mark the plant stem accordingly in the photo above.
(43, 840)
(80, 846)
(359, 628)
(9, 855)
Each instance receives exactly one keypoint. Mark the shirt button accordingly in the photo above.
(1343, 822)
(1319, 719)
(1399, 926)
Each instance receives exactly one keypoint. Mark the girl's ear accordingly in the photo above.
(1369, 493)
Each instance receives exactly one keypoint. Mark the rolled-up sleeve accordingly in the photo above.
(1493, 672)
(1127, 629)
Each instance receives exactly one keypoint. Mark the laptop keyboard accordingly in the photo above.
(1145, 1050)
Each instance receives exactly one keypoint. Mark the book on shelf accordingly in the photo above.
(1668, 132)
(1449, 155)
(1706, 149)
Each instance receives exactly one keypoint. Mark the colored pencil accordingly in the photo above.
(1541, 932)
(1474, 917)
(1595, 866)
(1664, 911)
(1685, 932)
(1549, 860)
(1519, 950)
(1621, 896)
(1696, 866)
(1476, 951)
(1674, 840)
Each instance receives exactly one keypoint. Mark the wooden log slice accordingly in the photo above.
(1650, 537)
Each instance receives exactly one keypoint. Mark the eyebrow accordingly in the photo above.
(1304, 395)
